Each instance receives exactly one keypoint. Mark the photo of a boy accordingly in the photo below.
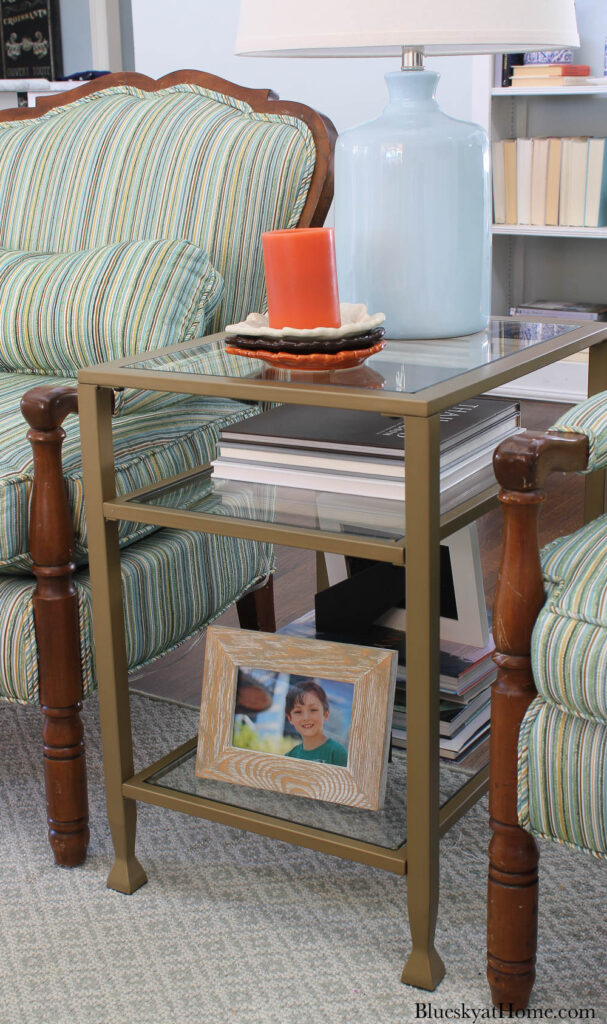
(307, 709)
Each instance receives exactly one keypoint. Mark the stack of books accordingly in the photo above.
(553, 308)
(542, 75)
(338, 451)
(553, 181)
(466, 676)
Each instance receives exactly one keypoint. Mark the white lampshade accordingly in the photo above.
(380, 28)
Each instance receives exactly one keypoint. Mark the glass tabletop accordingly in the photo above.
(402, 367)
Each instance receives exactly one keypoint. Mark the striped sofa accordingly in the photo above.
(127, 159)
(549, 713)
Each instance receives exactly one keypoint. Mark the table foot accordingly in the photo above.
(423, 969)
(126, 876)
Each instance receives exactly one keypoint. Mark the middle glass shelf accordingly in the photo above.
(321, 520)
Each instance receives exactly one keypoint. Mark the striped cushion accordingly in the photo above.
(569, 643)
(148, 447)
(185, 162)
(562, 778)
(173, 583)
(590, 418)
(62, 311)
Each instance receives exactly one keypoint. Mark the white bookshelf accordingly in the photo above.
(548, 231)
(597, 90)
(567, 263)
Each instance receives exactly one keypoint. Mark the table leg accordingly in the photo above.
(424, 968)
(594, 491)
(95, 406)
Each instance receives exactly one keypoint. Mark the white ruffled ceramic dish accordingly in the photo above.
(354, 320)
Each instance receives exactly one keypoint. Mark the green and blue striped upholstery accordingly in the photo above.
(590, 418)
(122, 164)
(562, 778)
(562, 775)
(62, 311)
(174, 582)
(148, 446)
(569, 643)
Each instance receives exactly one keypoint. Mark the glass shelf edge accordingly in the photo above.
(296, 834)
(258, 530)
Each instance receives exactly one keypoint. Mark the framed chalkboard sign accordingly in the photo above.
(31, 39)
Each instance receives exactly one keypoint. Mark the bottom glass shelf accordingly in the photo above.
(385, 828)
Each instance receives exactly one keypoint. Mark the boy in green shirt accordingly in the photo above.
(307, 709)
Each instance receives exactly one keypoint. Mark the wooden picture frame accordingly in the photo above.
(370, 671)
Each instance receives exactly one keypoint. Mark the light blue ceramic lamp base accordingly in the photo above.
(413, 215)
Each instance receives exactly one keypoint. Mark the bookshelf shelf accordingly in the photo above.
(514, 92)
(548, 231)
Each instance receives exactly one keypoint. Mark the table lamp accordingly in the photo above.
(412, 187)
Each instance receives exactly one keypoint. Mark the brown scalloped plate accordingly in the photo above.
(314, 361)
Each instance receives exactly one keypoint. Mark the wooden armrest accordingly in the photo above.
(522, 462)
(46, 406)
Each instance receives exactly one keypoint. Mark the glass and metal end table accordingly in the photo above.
(412, 380)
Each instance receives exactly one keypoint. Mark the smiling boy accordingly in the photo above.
(307, 709)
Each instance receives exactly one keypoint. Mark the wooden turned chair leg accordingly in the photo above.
(256, 609)
(57, 628)
(513, 853)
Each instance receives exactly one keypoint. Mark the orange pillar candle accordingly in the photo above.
(301, 278)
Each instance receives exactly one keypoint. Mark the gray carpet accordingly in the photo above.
(236, 929)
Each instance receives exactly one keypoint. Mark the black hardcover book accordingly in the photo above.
(365, 433)
(509, 61)
(30, 37)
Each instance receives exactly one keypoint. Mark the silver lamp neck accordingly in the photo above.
(412, 59)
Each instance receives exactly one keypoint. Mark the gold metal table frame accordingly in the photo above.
(423, 527)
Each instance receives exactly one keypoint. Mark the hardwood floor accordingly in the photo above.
(178, 675)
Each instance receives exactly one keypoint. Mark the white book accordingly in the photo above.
(578, 169)
(564, 185)
(499, 183)
(539, 178)
(524, 151)
(343, 483)
(595, 210)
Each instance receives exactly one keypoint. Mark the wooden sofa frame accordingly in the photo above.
(51, 538)
(522, 464)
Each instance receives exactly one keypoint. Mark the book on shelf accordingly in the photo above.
(595, 208)
(527, 71)
(553, 182)
(457, 745)
(359, 453)
(576, 153)
(505, 63)
(524, 150)
(550, 307)
(550, 181)
(539, 82)
(510, 180)
(499, 183)
(539, 180)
